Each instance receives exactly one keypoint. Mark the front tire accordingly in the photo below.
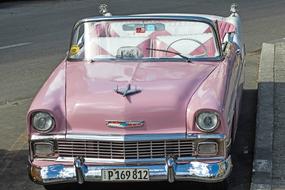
(223, 185)
(61, 187)
(54, 187)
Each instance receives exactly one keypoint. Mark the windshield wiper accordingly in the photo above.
(188, 59)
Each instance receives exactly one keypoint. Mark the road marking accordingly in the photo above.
(15, 45)
(9, 157)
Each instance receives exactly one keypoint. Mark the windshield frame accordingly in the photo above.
(211, 23)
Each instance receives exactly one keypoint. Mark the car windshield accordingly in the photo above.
(143, 39)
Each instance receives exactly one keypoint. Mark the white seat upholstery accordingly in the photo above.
(109, 46)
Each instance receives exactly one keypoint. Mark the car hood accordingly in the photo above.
(166, 88)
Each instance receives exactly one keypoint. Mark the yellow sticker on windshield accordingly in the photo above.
(74, 49)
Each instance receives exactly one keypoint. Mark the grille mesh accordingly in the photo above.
(125, 150)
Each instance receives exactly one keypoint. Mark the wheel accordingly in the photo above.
(190, 39)
(54, 187)
(223, 185)
(61, 187)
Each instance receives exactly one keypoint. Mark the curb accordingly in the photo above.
(262, 162)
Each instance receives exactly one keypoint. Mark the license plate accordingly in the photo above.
(125, 175)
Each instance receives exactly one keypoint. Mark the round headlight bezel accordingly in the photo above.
(47, 114)
(213, 113)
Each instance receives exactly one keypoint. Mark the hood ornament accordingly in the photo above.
(127, 91)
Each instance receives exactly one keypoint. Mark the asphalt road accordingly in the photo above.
(34, 37)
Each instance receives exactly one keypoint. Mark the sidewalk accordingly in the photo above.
(269, 158)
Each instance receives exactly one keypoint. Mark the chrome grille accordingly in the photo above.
(125, 150)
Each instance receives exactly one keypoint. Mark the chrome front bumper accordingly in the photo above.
(170, 171)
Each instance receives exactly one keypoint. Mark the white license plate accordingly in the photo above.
(125, 175)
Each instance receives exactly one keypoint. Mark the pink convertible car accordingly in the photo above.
(151, 97)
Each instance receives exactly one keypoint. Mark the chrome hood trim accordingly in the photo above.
(126, 138)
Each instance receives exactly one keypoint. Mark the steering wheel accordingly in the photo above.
(190, 39)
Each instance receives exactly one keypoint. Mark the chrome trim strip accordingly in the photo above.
(130, 161)
(46, 137)
(135, 161)
(149, 17)
(126, 138)
(206, 136)
(143, 137)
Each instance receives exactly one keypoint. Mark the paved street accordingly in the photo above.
(34, 37)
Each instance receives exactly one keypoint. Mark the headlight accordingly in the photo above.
(207, 121)
(42, 121)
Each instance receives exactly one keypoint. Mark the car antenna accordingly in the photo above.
(103, 10)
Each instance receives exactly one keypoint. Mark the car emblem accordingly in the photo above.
(127, 91)
(124, 124)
